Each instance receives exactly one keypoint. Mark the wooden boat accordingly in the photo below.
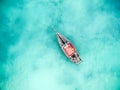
(68, 48)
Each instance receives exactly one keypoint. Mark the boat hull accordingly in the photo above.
(68, 48)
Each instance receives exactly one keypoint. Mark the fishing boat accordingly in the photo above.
(68, 48)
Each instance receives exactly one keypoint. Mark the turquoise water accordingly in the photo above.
(31, 59)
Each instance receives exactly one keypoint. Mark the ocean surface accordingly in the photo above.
(30, 56)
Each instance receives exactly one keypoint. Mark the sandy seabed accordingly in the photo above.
(31, 59)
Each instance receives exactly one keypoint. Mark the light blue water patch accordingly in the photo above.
(30, 56)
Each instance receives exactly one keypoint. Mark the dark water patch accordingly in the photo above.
(12, 3)
(110, 7)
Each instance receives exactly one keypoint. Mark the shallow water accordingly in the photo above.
(31, 59)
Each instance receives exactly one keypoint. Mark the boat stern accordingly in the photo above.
(75, 58)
